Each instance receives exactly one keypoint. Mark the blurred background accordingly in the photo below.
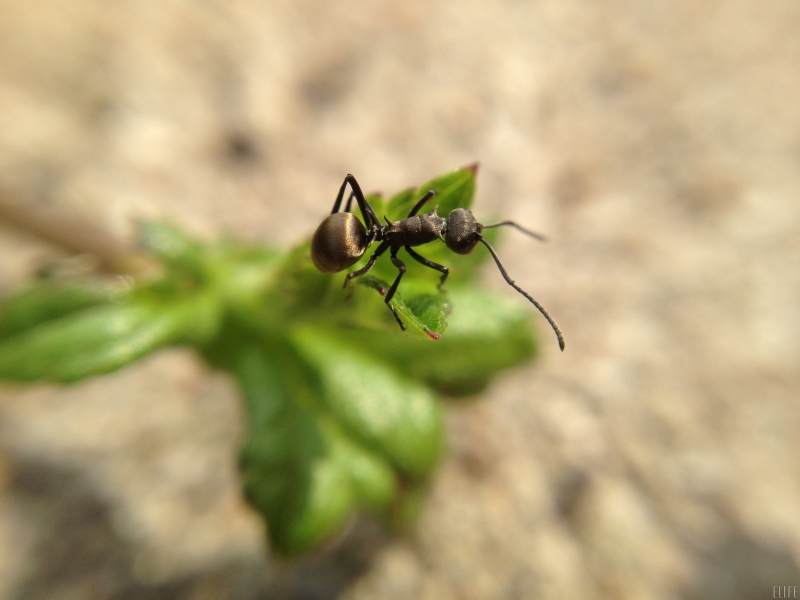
(656, 143)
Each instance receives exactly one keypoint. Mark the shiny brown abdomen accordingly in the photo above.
(339, 241)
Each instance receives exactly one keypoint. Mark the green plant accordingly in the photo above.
(344, 409)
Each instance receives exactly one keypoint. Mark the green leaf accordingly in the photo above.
(287, 469)
(47, 300)
(174, 247)
(401, 204)
(103, 338)
(373, 480)
(431, 311)
(382, 410)
(485, 335)
(377, 203)
(298, 467)
(454, 190)
(424, 315)
(375, 200)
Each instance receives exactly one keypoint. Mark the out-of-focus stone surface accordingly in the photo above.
(656, 143)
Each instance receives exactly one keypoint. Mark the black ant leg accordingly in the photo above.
(339, 197)
(429, 263)
(390, 294)
(349, 202)
(370, 263)
(428, 195)
(366, 210)
(526, 294)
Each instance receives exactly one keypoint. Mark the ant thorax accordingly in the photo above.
(416, 230)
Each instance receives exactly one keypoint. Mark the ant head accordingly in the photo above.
(463, 231)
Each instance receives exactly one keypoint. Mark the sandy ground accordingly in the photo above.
(656, 143)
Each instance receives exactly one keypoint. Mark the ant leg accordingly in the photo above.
(390, 294)
(429, 263)
(370, 263)
(402, 267)
(428, 195)
(366, 209)
(339, 198)
(349, 202)
(370, 218)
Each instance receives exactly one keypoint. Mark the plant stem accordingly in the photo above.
(74, 234)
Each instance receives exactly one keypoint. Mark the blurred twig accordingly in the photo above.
(74, 234)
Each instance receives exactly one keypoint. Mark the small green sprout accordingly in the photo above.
(344, 410)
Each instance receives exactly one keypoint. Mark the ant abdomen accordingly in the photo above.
(338, 243)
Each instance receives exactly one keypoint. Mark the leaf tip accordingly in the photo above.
(473, 167)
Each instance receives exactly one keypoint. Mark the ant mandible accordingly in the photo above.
(341, 240)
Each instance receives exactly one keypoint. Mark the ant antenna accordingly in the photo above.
(533, 234)
(519, 289)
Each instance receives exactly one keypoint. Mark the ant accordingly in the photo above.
(341, 240)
